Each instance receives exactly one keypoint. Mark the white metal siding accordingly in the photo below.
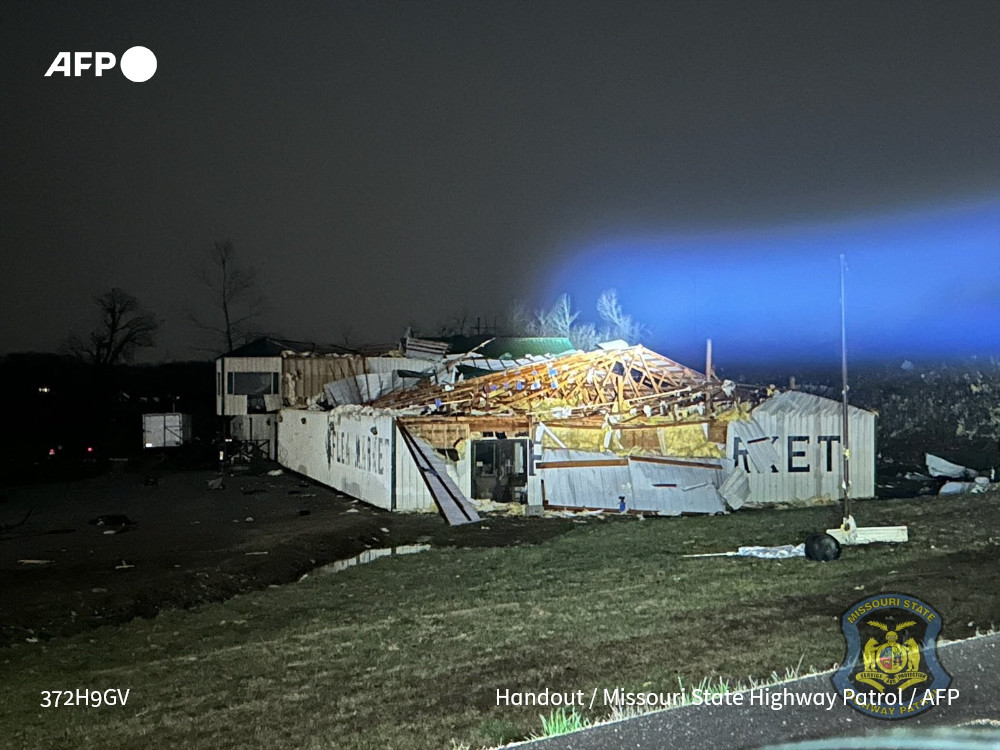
(231, 404)
(302, 444)
(584, 486)
(339, 449)
(411, 489)
(817, 421)
(645, 485)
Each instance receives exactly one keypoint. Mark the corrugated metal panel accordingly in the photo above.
(596, 485)
(580, 479)
(304, 377)
(806, 434)
(757, 442)
(411, 490)
(797, 402)
(425, 348)
(454, 506)
(361, 389)
(735, 490)
(670, 489)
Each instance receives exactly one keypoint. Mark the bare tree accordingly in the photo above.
(125, 328)
(618, 325)
(561, 320)
(233, 289)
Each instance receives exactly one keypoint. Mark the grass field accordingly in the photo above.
(409, 652)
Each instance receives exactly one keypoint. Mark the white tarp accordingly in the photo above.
(938, 467)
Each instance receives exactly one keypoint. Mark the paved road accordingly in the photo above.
(974, 665)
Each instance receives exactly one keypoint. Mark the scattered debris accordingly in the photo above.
(979, 484)
(117, 523)
(248, 519)
(29, 561)
(822, 548)
(938, 467)
(215, 484)
(254, 491)
(124, 566)
(275, 473)
(769, 553)
(151, 482)
(251, 554)
(352, 510)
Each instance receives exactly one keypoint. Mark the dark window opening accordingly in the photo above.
(252, 383)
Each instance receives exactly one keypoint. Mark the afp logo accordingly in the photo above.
(138, 64)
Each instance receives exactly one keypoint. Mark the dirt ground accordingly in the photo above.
(186, 545)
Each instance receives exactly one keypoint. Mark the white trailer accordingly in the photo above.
(165, 430)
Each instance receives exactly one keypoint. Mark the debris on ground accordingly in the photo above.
(939, 467)
(979, 484)
(781, 552)
(215, 484)
(124, 566)
(33, 562)
(275, 473)
(116, 523)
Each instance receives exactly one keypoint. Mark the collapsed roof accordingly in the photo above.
(628, 380)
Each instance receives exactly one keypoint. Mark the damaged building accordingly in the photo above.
(621, 428)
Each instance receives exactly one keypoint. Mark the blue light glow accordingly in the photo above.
(919, 285)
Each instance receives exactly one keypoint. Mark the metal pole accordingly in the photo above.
(845, 434)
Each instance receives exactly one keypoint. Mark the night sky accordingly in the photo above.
(394, 164)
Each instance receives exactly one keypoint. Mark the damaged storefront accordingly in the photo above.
(617, 429)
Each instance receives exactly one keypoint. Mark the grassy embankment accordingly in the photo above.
(409, 652)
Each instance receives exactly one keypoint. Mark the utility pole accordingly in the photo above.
(845, 439)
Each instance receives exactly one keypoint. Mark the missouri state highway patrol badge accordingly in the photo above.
(891, 670)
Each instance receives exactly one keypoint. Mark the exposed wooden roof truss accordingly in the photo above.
(590, 383)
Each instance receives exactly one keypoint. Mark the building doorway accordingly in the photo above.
(500, 470)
